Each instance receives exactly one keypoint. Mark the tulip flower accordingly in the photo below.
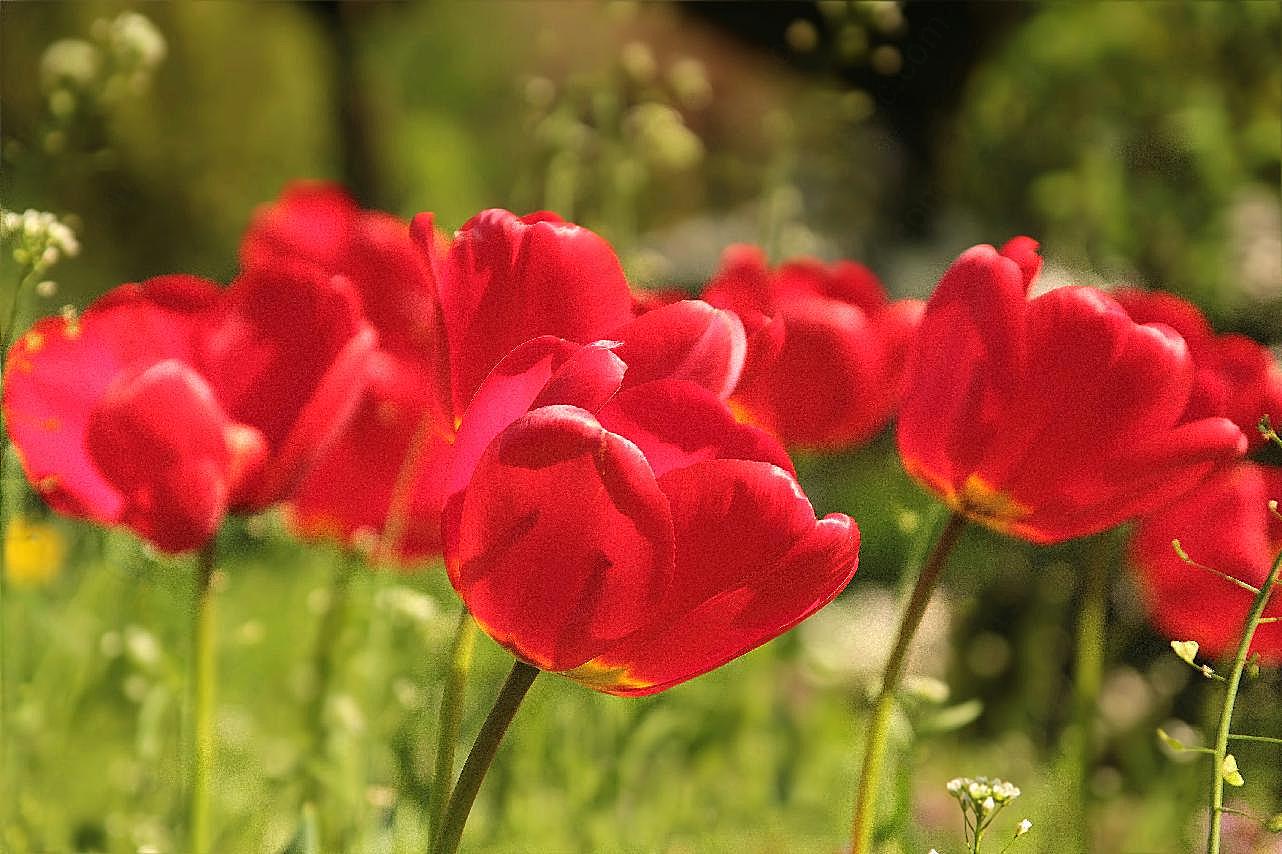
(171, 403)
(617, 525)
(405, 411)
(1225, 524)
(614, 523)
(1055, 417)
(450, 311)
(1045, 419)
(1235, 377)
(826, 349)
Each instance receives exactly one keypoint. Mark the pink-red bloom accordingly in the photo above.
(616, 524)
(1235, 376)
(170, 403)
(1225, 524)
(1054, 417)
(826, 348)
(449, 311)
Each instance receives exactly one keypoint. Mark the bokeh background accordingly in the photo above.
(1139, 141)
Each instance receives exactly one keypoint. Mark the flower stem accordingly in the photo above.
(1088, 673)
(323, 661)
(478, 762)
(1230, 698)
(450, 717)
(203, 678)
(875, 752)
(6, 338)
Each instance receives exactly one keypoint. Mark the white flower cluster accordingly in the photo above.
(40, 239)
(981, 799)
(124, 53)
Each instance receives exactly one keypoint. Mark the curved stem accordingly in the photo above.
(879, 724)
(451, 716)
(478, 762)
(204, 666)
(1230, 698)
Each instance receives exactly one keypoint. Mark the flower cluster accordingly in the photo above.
(39, 238)
(606, 477)
(981, 799)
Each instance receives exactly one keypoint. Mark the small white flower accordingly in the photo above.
(1022, 828)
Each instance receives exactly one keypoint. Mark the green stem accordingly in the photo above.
(1088, 674)
(874, 757)
(6, 338)
(323, 661)
(203, 679)
(478, 762)
(1230, 698)
(450, 717)
(1262, 739)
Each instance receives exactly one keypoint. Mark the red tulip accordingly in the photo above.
(1236, 377)
(1054, 417)
(826, 348)
(406, 409)
(452, 311)
(170, 403)
(621, 527)
(1224, 524)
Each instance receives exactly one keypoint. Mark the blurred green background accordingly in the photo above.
(1139, 141)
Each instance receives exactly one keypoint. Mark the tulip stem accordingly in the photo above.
(323, 661)
(1230, 698)
(878, 726)
(451, 717)
(203, 678)
(478, 762)
(1088, 671)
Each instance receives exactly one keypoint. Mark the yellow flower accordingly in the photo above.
(33, 552)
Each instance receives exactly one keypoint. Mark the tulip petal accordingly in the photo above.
(688, 340)
(564, 539)
(1225, 524)
(507, 279)
(162, 441)
(348, 494)
(287, 356)
(752, 562)
(677, 423)
(966, 366)
(541, 372)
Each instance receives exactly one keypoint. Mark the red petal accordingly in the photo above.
(540, 372)
(1224, 524)
(507, 279)
(161, 440)
(688, 340)
(394, 436)
(565, 540)
(58, 371)
(677, 423)
(1023, 251)
(752, 562)
(966, 366)
(311, 220)
(286, 356)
